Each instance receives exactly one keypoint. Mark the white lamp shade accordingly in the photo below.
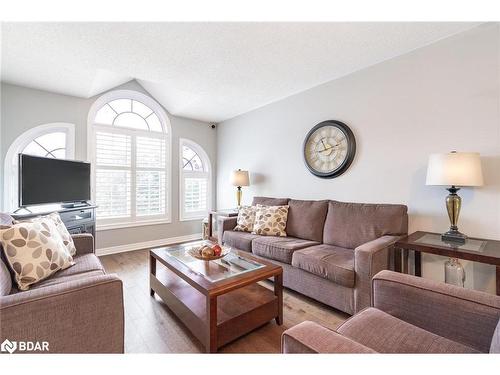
(240, 178)
(455, 168)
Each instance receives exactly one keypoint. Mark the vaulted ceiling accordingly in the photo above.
(205, 71)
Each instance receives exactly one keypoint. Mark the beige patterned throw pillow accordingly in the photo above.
(61, 228)
(34, 251)
(271, 220)
(246, 218)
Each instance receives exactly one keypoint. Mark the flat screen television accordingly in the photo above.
(47, 180)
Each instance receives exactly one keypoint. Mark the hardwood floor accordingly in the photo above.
(150, 327)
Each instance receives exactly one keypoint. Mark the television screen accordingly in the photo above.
(46, 180)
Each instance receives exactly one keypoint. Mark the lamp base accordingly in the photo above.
(454, 236)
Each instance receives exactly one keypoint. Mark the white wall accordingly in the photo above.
(439, 98)
(23, 108)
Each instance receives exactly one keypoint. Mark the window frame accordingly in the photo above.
(10, 199)
(183, 216)
(93, 127)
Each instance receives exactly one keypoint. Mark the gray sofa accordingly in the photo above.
(409, 315)
(76, 310)
(332, 249)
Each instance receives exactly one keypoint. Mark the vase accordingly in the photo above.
(454, 272)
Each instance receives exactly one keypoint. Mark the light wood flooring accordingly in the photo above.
(150, 327)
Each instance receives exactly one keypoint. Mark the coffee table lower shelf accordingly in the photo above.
(217, 320)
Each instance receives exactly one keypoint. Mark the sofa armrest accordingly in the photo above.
(225, 223)
(310, 337)
(84, 243)
(369, 259)
(462, 315)
(80, 316)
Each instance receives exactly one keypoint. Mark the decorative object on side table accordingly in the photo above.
(239, 178)
(454, 169)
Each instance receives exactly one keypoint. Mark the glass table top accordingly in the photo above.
(435, 239)
(215, 270)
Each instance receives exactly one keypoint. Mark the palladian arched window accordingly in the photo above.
(130, 155)
(195, 181)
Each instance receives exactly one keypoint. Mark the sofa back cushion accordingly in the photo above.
(352, 224)
(306, 219)
(266, 201)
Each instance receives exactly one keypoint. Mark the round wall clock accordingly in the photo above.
(329, 149)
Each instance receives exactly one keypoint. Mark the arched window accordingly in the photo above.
(129, 148)
(54, 140)
(195, 181)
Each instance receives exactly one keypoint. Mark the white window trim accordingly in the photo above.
(108, 224)
(11, 158)
(206, 161)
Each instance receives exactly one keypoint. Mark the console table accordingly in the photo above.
(77, 220)
(475, 249)
(213, 214)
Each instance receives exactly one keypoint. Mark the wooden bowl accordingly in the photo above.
(194, 252)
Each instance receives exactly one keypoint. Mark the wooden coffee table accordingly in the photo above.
(220, 300)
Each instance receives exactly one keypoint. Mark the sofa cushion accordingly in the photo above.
(61, 228)
(245, 219)
(330, 262)
(266, 201)
(239, 240)
(83, 263)
(62, 279)
(386, 334)
(34, 251)
(5, 279)
(279, 248)
(306, 219)
(271, 220)
(352, 224)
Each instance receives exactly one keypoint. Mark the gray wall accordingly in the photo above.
(439, 98)
(23, 108)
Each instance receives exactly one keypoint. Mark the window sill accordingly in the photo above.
(102, 227)
(198, 218)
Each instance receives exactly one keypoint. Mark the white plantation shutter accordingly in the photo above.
(113, 193)
(195, 181)
(113, 164)
(150, 177)
(195, 194)
(130, 163)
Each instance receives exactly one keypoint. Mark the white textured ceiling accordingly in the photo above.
(206, 71)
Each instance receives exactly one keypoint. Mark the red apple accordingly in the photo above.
(217, 250)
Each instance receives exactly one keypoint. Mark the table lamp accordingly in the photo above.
(239, 178)
(454, 169)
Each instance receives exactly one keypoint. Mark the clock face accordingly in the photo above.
(329, 149)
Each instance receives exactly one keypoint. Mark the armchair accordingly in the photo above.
(409, 315)
(77, 310)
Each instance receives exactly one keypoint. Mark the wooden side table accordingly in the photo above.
(475, 249)
(214, 214)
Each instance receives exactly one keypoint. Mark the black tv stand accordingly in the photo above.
(77, 219)
(75, 205)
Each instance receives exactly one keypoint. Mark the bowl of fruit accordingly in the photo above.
(209, 251)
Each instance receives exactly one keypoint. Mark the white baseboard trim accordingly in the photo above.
(147, 244)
